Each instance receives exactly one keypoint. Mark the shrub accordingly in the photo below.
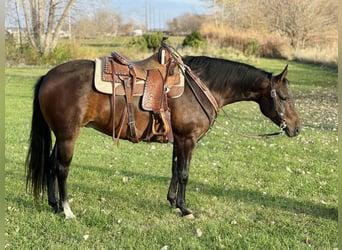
(252, 48)
(194, 40)
(19, 53)
(11, 50)
(271, 49)
(138, 42)
(60, 54)
(149, 41)
(25, 54)
(153, 40)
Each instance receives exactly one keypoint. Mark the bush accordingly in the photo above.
(252, 48)
(271, 49)
(60, 54)
(16, 53)
(26, 54)
(138, 42)
(149, 41)
(11, 50)
(21, 54)
(194, 40)
(153, 40)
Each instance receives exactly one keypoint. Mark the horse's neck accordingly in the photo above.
(234, 92)
(239, 83)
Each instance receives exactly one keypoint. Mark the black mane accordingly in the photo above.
(217, 72)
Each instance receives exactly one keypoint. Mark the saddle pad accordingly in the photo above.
(106, 86)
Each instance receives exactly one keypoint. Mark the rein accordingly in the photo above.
(205, 90)
(258, 136)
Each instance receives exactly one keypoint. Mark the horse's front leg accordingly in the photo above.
(172, 193)
(185, 148)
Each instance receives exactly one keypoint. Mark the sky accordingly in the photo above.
(151, 13)
(156, 13)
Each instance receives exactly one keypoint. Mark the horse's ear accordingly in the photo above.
(282, 75)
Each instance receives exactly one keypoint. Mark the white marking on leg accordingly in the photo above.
(67, 210)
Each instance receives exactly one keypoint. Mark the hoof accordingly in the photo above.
(67, 211)
(70, 216)
(55, 207)
(177, 210)
(172, 202)
(189, 216)
(185, 213)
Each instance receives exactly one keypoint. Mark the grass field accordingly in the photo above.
(245, 193)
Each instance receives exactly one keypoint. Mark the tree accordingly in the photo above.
(44, 20)
(301, 20)
(226, 11)
(99, 24)
(103, 23)
(186, 23)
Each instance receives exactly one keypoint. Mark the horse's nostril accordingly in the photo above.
(297, 130)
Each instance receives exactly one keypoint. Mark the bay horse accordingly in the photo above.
(65, 101)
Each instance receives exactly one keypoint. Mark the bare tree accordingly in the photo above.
(84, 28)
(107, 23)
(102, 23)
(301, 20)
(187, 23)
(44, 20)
(226, 12)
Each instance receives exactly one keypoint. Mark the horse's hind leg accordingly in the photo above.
(65, 149)
(52, 181)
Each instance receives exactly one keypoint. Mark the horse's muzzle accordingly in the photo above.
(292, 131)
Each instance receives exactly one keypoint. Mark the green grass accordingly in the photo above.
(92, 48)
(245, 193)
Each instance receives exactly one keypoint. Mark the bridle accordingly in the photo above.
(275, 97)
(277, 107)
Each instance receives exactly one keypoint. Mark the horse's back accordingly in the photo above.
(75, 71)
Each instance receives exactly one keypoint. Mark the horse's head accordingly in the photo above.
(278, 105)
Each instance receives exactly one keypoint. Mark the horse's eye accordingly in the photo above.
(282, 97)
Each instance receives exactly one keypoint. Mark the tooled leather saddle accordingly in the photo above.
(155, 79)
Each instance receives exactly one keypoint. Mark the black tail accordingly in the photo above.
(40, 147)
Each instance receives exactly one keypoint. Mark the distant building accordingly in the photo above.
(137, 32)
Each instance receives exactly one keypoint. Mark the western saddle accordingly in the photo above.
(152, 78)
